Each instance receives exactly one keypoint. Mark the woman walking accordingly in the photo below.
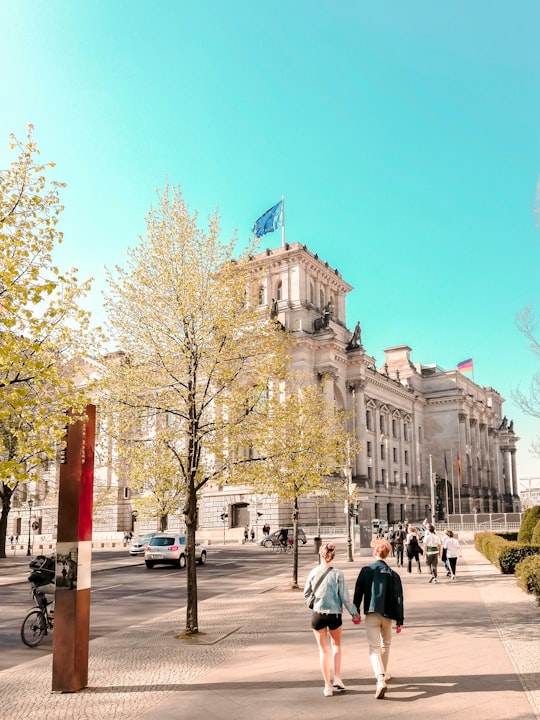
(412, 545)
(453, 550)
(327, 585)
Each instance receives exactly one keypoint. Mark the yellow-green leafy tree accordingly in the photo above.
(305, 444)
(194, 355)
(42, 326)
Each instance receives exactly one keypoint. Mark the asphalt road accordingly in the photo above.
(130, 594)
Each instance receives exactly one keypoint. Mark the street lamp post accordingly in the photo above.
(29, 549)
(350, 557)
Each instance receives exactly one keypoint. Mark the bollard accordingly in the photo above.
(317, 545)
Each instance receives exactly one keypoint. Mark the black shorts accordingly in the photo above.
(332, 621)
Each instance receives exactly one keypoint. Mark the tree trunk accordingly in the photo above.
(192, 621)
(7, 494)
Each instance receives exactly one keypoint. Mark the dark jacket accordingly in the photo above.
(380, 588)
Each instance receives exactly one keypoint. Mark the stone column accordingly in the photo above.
(360, 462)
(507, 471)
(515, 486)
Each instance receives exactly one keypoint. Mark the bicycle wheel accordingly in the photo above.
(277, 548)
(288, 549)
(34, 628)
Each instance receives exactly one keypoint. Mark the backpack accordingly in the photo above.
(413, 540)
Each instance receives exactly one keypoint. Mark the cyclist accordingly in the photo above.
(284, 537)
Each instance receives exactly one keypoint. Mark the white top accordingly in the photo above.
(432, 540)
(452, 547)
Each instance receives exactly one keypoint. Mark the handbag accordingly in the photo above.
(310, 601)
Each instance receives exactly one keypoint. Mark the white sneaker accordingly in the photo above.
(328, 691)
(381, 688)
(339, 685)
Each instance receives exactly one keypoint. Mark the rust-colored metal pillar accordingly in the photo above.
(74, 557)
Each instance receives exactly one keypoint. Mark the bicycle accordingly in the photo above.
(281, 547)
(39, 620)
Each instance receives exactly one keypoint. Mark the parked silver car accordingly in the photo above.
(137, 546)
(170, 549)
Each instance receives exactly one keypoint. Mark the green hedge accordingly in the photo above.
(528, 575)
(503, 553)
(530, 517)
(535, 540)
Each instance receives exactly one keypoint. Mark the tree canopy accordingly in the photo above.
(195, 355)
(43, 329)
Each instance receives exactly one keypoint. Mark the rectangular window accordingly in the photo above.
(407, 479)
(383, 476)
(405, 431)
(381, 423)
(394, 428)
(395, 454)
(419, 434)
(382, 452)
(368, 420)
(396, 477)
(406, 457)
(369, 473)
(369, 449)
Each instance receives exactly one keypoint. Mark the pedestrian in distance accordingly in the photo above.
(246, 534)
(432, 548)
(391, 537)
(413, 548)
(252, 534)
(453, 551)
(326, 593)
(399, 542)
(380, 588)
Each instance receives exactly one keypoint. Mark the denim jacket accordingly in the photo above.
(380, 588)
(331, 594)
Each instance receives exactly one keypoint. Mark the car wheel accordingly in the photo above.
(182, 561)
(202, 559)
(268, 543)
(149, 564)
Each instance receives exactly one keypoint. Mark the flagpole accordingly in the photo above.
(452, 481)
(283, 221)
(446, 484)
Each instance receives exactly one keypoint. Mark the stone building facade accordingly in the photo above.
(412, 421)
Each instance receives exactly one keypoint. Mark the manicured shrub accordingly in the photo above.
(503, 553)
(530, 517)
(528, 574)
(514, 553)
(535, 539)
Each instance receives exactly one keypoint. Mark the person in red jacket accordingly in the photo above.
(380, 588)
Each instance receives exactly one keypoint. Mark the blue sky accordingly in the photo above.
(405, 137)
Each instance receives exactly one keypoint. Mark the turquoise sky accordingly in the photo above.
(405, 137)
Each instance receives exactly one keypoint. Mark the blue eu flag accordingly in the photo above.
(269, 221)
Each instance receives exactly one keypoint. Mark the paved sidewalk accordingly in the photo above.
(469, 649)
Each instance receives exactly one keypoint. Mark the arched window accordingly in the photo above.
(260, 296)
(311, 293)
(279, 291)
(321, 299)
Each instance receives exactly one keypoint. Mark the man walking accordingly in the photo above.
(380, 588)
(432, 549)
(399, 541)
